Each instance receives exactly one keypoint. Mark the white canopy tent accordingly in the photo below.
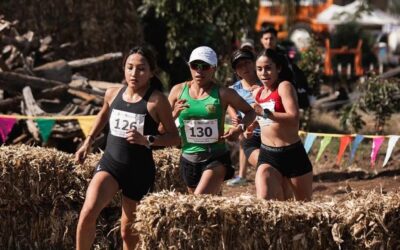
(337, 14)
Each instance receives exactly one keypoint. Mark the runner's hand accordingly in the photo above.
(249, 131)
(82, 152)
(134, 137)
(178, 107)
(258, 109)
(232, 134)
(236, 120)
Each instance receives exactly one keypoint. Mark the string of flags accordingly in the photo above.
(46, 123)
(351, 141)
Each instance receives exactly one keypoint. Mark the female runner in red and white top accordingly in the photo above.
(282, 154)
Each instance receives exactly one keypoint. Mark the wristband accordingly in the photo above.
(267, 113)
(150, 140)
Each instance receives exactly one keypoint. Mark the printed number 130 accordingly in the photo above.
(207, 131)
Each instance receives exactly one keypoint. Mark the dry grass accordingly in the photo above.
(360, 220)
(42, 191)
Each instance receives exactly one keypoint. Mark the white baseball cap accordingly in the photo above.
(205, 54)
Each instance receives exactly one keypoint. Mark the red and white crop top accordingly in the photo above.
(273, 97)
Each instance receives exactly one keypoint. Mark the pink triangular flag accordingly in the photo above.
(376, 145)
(6, 125)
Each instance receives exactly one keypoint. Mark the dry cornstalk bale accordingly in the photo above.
(173, 221)
(168, 176)
(369, 221)
(42, 191)
(357, 221)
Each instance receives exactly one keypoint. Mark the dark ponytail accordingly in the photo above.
(285, 74)
(155, 82)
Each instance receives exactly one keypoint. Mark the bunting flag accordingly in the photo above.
(354, 146)
(6, 125)
(344, 142)
(86, 124)
(226, 126)
(308, 142)
(45, 126)
(324, 143)
(46, 123)
(392, 142)
(376, 145)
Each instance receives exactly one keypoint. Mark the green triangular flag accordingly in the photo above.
(45, 126)
(324, 143)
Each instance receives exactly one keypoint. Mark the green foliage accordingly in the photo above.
(350, 118)
(312, 64)
(202, 22)
(379, 97)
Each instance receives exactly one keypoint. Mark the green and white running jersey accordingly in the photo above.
(200, 125)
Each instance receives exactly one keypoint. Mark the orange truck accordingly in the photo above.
(273, 13)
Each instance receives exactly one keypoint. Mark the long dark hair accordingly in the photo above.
(151, 60)
(281, 62)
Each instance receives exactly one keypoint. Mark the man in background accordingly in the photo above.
(269, 40)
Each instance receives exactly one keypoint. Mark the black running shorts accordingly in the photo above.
(191, 172)
(135, 179)
(291, 161)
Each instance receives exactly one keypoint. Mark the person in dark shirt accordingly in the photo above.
(269, 40)
(134, 113)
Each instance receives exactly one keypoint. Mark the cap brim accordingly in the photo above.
(247, 45)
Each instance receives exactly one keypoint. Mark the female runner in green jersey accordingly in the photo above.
(199, 105)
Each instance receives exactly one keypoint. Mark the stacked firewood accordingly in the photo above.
(34, 82)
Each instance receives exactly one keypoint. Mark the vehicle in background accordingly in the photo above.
(272, 13)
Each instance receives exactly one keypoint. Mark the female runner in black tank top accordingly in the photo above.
(133, 113)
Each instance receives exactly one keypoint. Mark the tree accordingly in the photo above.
(311, 63)
(203, 22)
(378, 97)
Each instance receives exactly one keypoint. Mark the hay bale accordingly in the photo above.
(368, 221)
(42, 191)
(174, 221)
(168, 176)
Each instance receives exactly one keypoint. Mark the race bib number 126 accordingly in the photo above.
(121, 121)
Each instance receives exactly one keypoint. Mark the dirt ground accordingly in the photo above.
(333, 181)
(332, 184)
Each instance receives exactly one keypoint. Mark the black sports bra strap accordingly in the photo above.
(121, 92)
(148, 93)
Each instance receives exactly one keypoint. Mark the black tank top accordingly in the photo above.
(123, 116)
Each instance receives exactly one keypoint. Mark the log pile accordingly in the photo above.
(34, 82)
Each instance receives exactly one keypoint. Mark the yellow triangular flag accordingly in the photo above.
(86, 123)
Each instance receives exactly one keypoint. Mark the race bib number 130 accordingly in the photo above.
(201, 131)
(121, 121)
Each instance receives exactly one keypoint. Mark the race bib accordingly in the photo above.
(270, 105)
(201, 131)
(121, 121)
